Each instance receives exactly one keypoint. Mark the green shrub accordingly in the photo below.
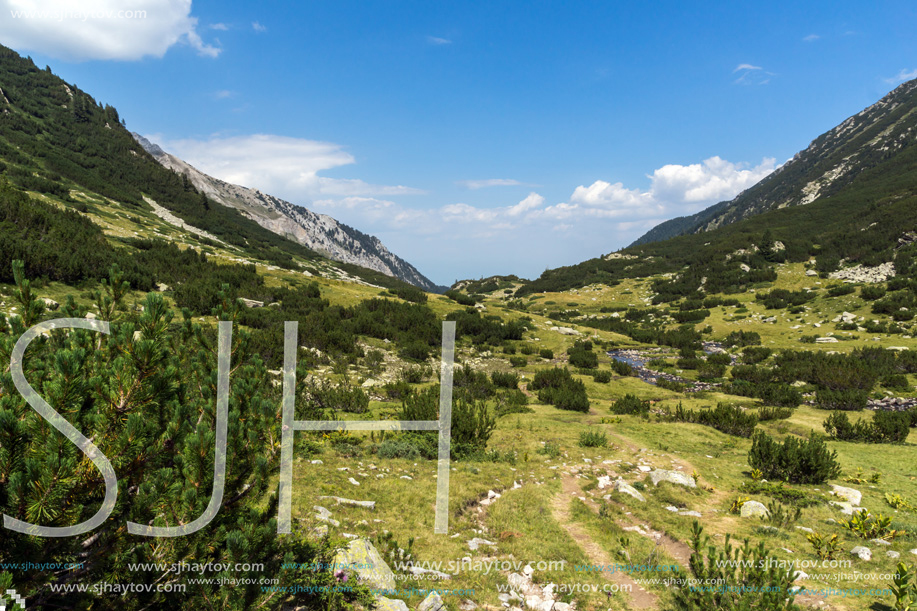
(622, 369)
(779, 491)
(846, 399)
(518, 361)
(527, 349)
(719, 358)
(460, 298)
(557, 387)
(409, 293)
(593, 439)
(472, 383)
(550, 449)
(742, 338)
(343, 397)
(630, 404)
(509, 379)
(774, 413)
(415, 374)
(511, 401)
(842, 289)
(886, 427)
(710, 371)
(546, 353)
(602, 377)
(689, 362)
(581, 355)
(472, 423)
(584, 359)
(670, 385)
(727, 418)
(797, 461)
(415, 351)
(397, 449)
(896, 382)
(871, 292)
(745, 578)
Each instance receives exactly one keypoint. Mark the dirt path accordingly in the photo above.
(560, 509)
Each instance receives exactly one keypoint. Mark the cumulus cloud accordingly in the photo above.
(903, 75)
(101, 29)
(490, 182)
(675, 190)
(529, 235)
(258, 27)
(712, 181)
(279, 165)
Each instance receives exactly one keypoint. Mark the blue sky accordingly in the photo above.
(480, 138)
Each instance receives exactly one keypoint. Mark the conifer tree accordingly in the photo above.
(145, 395)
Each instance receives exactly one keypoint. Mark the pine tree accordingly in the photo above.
(145, 395)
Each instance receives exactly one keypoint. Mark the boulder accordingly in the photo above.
(893, 554)
(673, 477)
(621, 486)
(565, 330)
(862, 552)
(477, 542)
(389, 604)
(364, 559)
(433, 602)
(754, 509)
(848, 494)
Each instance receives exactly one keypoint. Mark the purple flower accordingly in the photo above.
(341, 576)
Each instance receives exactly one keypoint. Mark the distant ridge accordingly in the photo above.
(832, 161)
(318, 232)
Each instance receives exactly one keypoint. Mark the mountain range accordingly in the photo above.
(832, 162)
(319, 232)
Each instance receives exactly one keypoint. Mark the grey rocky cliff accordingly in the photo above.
(320, 232)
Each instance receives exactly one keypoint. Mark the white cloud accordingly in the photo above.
(100, 29)
(903, 75)
(279, 165)
(490, 182)
(222, 94)
(749, 74)
(435, 40)
(712, 181)
(811, 38)
(219, 26)
(258, 27)
(532, 201)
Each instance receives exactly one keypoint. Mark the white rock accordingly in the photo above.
(850, 495)
(475, 543)
(861, 552)
(754, 509)
(621, 486)
(674, 477)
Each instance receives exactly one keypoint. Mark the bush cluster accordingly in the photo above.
(885, 427)
(581, 355)
(557, 387)
(727, 418)
(630, 404)
(796, 461)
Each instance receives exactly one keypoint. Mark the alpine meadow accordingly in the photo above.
(197, 342)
